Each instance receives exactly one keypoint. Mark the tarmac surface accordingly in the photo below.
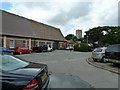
(70, 66)
(106, 66)
(58, 80)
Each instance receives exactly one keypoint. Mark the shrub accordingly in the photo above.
(83, 47)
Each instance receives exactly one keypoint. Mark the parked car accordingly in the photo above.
(70, 48)
(20, 50)
(43, 48)
(112, 54)
(17, 74)
(40, 48)
(98, 54)
(3, 50)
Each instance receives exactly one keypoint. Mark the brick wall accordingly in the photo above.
(7, 43)
(18, 43)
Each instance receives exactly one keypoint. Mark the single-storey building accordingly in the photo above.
(70, 43)
(23, 32)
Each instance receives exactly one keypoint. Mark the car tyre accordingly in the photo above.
(30, 52)
(102, 60)
(116, 64)
(12, 53)
(20, 53)
(95, 59)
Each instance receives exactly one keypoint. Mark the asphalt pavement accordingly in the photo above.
(74, 64)
(106, 66)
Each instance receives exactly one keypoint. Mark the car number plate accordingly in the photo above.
(94, 56)
(112, 60)
(44, 77)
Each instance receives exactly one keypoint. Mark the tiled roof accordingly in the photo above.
(69, 41)
(19, 26)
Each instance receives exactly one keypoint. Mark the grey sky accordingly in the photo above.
(80, 10)
(69, 16)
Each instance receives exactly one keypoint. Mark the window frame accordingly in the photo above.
(12, 45)
(25, 43)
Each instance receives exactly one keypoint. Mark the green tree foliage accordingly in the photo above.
(71, 37)
(111, 35)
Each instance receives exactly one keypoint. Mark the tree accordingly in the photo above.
(112, 35)
(71, 37)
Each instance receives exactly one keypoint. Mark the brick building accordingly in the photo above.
(20, 31)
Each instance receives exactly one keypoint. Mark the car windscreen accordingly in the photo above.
(8, 62)
(16, 48)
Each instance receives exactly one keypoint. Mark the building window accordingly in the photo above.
(24, 43)
(41, 43)
(61, 44)
(49, 44)
(11, 43)
(32, 43)
(36, 43)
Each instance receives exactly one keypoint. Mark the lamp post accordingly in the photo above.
(101, 37)
(87, 39)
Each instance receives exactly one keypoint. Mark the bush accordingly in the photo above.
(83, 47)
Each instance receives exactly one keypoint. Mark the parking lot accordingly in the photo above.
(74, 64)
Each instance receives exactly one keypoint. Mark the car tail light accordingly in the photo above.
(100, 50)
(33, 85)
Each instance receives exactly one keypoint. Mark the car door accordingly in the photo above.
(27, 50)
(23, 50)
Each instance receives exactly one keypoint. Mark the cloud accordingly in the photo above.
(79, 10)
(69, 16)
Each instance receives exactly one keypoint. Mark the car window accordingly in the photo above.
(8, 62)
(113, 49)
(25, 48)
(104, 49)
(2, 48)
(96, 50)
(16, 48)
(22, 48)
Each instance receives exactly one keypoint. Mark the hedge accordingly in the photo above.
(83, 47)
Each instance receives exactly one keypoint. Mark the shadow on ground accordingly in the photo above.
(67, 81)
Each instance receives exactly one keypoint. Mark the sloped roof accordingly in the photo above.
(69, 41)
(19, 26)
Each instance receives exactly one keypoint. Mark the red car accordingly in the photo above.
(22, 50)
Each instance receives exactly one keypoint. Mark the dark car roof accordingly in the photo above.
(113, 48)
(115, 45)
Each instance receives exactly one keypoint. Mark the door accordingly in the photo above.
(56, 45)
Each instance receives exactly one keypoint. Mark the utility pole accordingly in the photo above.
(87, 39)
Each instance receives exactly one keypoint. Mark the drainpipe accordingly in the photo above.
(30, 43)
(4, 41)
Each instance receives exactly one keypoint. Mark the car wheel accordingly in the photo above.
(30, 52)
(102, 60)
(20, 52)
(116, 64)
(12, 53)
(95, 59)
